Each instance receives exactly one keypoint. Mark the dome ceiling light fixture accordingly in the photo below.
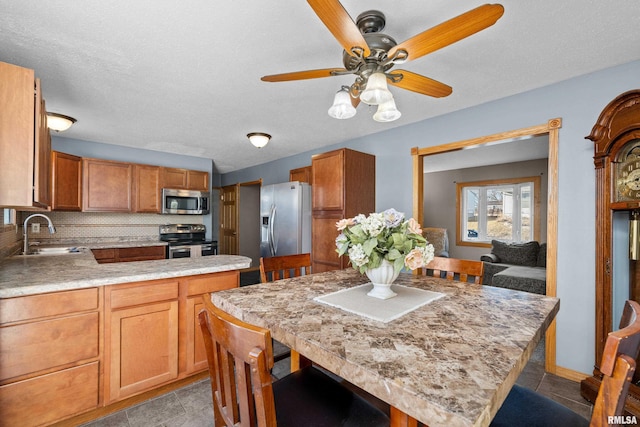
(59, 122)
(259, 139)
(371, 55)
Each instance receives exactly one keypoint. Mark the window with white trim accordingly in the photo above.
(503, 210)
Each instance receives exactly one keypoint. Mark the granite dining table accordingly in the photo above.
(449, 362)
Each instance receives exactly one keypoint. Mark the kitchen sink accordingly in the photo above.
(60, 250)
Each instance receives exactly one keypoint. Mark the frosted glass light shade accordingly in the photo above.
(342, 107)
(387, 112)
(259, 139)
(376, 92)
(59, 122)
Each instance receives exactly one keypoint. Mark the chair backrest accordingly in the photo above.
(240, 358)
(439, 238)
(618, 365)
(453, 268)
(282, 267)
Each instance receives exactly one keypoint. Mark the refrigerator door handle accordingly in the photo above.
(272, 243)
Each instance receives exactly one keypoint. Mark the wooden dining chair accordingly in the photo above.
(240, 359)
(283, 267)
(455, 269)
(525, 407)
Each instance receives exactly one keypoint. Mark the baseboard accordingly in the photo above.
(570, 374)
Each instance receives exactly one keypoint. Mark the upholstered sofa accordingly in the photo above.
(520, 266)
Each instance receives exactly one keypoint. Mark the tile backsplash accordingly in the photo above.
(89, 227)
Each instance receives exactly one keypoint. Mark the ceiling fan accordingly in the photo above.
(371, 55)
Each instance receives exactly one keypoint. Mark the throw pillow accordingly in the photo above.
(542, 256)
(516, 253)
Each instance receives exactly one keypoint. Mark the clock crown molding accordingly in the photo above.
(617, 118)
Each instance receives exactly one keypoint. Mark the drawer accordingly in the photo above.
(49, 398)
(144, 294)
(44, 305)
(35, 346)
(141, 253)
(198, 285)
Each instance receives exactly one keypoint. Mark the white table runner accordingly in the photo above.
(355, 300)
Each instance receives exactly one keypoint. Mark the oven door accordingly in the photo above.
(209, 249)
(180, 251)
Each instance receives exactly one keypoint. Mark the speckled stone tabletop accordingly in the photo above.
(36, 274)
(451, 362)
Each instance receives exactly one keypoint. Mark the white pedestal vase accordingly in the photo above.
(382, 277)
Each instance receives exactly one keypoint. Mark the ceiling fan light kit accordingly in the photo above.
(370, 54)
(342, 107)
(259, 139)
(376, 91)
(387, 112)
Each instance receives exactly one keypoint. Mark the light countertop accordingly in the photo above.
(35, 274)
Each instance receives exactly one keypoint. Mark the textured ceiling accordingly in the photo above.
(184, 76)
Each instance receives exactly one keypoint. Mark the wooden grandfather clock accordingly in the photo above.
(616, 135)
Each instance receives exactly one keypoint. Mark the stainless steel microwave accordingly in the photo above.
(185, 202)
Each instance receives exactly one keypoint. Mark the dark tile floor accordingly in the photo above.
(191, 406)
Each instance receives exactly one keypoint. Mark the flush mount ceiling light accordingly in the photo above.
(59, 122)
(371, 55)
(259, 139)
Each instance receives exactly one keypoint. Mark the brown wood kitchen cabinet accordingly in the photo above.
(50, 356)
(151, 333)
(146, 189)
(138, 253)
(184, 179)
(141, 337)
(106, 185)
(25, 142)
(191, 291)
(66, 182)
(344, 185)
(301, 174)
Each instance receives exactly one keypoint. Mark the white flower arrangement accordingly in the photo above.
(386, 235)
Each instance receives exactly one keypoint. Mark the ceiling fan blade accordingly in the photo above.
(421, 84)
(337, 20)
(450, 31)
(302, 75)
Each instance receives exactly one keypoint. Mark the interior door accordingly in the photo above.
(229, 242)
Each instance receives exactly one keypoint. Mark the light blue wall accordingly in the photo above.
(578, 102)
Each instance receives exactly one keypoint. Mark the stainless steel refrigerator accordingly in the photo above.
(285, 219)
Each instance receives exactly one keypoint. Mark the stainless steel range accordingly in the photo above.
(187, 241)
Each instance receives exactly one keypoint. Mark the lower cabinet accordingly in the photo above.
(192, 289)
(142, 334)
(66, 353)
(152, 332)
(139, 253)
(49, 356)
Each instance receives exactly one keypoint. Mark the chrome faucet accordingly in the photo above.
(52, 229)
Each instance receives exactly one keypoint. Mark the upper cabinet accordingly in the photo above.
(146, 188)
(184, 179)
(25, 143)
(106, 186)
(66, 177)
(301, 174)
